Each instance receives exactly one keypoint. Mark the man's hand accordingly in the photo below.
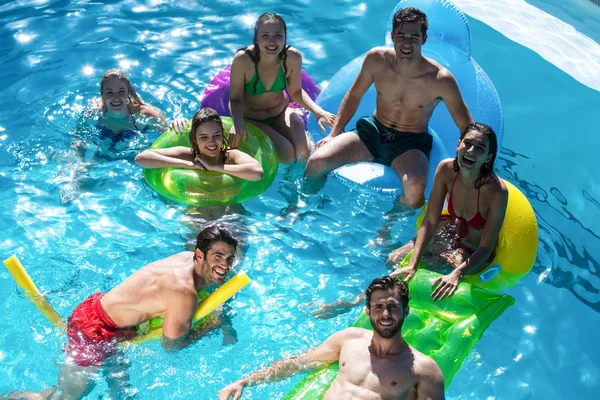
(323, 141)
(234, 390)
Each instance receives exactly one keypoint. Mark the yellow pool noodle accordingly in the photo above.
(205, 307)
(221, 295)
(23, 280)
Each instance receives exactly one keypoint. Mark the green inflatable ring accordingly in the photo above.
(209, 188)
(444, 330)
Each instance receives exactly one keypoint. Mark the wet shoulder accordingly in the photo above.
(445, 168)
(496, 187)
(149, 111)
(425, 366)
(293, 54)
(242, 57)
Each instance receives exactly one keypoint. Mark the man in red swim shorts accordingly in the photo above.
(166, 288)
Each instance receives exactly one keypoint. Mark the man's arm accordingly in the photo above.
(430, 381)
(327, 352)
(363, 82)
(454, 100)
(178, 319)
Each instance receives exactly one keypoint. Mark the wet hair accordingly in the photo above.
(255, 56)
(487, 169)
(202, 116)
(211, 235)
(410, 15)
(388, 283)
(116, 73)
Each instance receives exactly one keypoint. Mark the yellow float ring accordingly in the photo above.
(516, 247)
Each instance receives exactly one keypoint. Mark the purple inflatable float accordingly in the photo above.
(216, 94)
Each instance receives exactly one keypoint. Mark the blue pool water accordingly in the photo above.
(300, 248)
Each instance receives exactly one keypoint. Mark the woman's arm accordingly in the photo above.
(432, 218)
(237, 81)
(155, 119)
(177, 157)
(449, 283)
(299, 95)
(242, 166)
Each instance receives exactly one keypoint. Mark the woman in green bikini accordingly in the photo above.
(271, 63)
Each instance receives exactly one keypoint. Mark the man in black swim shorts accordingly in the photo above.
(409, 87)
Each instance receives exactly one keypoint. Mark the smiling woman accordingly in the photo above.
(477, 198)
(121, 108)
(259, 75)
(200, 169)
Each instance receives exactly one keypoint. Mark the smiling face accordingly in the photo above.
(209, 138)
(473, 150)
(408, 39)
(115, 95)
(216, 264)
(270, 37)
(386, 313)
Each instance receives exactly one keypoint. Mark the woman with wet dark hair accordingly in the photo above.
(259, 75)
(465, 239)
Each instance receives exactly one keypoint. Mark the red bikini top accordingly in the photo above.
(477, 222)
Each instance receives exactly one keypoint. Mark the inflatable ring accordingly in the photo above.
(517, 244)
(448, 42)
(209, 188)
(444, 330)
(216, 94)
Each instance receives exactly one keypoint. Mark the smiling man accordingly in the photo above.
(409, 87)
(375, 364)
(166, 288)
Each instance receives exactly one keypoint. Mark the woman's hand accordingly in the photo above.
(237, 135)
(447, 285)
(325, 118)
(204, 164)
(406, 272)
(179, 125)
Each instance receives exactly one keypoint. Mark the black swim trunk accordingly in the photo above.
(385, 144)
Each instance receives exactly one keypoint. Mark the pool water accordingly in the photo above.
(298, 248)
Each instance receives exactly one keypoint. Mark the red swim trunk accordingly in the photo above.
(93, 336)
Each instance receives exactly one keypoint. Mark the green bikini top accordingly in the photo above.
(255, 86)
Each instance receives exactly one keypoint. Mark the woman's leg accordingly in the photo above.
(285, 149)
(291, 126)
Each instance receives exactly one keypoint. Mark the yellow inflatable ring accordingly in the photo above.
(516, 248)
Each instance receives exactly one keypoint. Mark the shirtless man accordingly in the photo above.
(409, 87)
(166, 288)
(376, 364)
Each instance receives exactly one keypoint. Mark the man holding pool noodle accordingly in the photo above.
(165, 288)
(409, 88)
(372, 364)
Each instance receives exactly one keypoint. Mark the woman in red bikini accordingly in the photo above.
(477, 200)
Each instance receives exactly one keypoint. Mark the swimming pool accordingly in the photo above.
(300, 248)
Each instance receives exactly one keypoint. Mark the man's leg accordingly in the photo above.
(413, 168)
(341, 150)
(75, 381)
